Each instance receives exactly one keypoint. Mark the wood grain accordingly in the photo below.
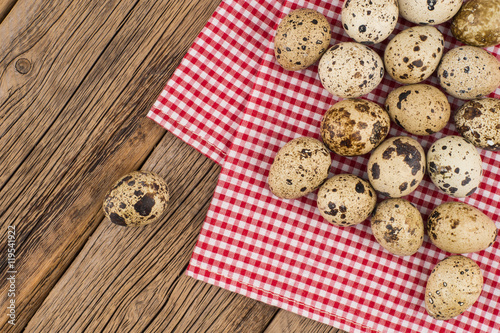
(5, 7)
(139, 282)
(75, 122)
(285, 322)
(76, 80)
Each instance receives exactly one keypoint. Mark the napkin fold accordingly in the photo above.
(230, 100)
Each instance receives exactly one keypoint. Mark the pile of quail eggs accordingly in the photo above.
(397, 165)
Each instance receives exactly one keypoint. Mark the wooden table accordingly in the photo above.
(76, 81)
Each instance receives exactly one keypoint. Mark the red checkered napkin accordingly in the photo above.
(233, 102)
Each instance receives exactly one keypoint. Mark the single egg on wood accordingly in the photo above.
(137, 199)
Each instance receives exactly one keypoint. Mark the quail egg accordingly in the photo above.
(354, 127)
(136, 199)
(454, 166)
(369, 22)
(478, 121)
(350, 70)
(454, 285)
(414, 54)
(301, 39)
(299, 167)
(398, 226)
(469, 72)
(420, 109)
(397, 166)
(346, 200)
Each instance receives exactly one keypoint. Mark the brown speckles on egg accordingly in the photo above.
(454, 284)
(339, 65)
(419, 109)
(299, 168)
(346, 200)
(456, 227)
(477, 23)
(301, 39)
(413, 54)
(348, 127)
(369, 22)
(395, 161)
(454, 165)
(469, 84)
(398, 226)
(478, 121)
(137, 199)
(428, 11)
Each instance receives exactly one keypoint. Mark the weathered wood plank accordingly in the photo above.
(285, 322)
(76, 121)
(130, 280)
(5, 7)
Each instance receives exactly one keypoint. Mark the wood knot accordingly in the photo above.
(23, 66)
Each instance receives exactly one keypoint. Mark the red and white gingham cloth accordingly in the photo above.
(231, 100)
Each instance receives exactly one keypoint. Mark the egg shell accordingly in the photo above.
(301, 39)
(456, 227)
(350, 70)
(414, 54)
(469, 72)
(454, 166)
(369, 22)
(429, 11)
(398, 226)
(397, 166)
(477, 23)
(420, 109)
(136, 199)
(478, 121)
(346, 200)
(354, 127)
(453, 286)
(299, 168)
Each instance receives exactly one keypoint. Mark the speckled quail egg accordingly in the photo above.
(477, 23)
(429, 11)
(369, 22)
(454, 166)
(397, 166)
(420, 109)
(301, 39)
(350, 70)
(478, 121)
(346, 200)
(454, 285)
(469, 72)
(398, 226)
(136, 199)
(299, 167)
(414, 54)
(456, 227)
(354, 127)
